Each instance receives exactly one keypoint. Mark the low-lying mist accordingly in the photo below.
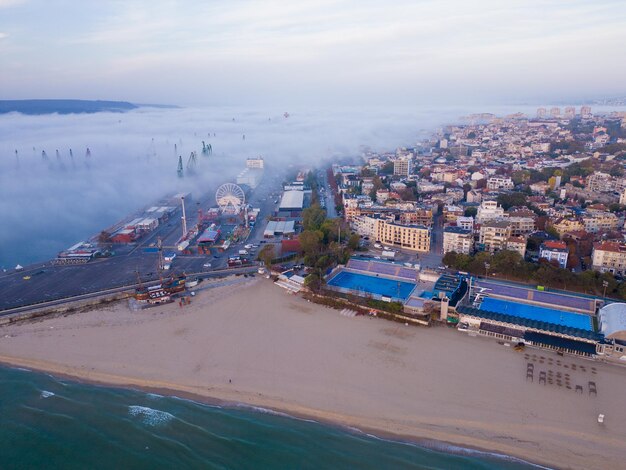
(47, 204)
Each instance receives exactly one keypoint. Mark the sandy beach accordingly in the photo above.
(249, 341)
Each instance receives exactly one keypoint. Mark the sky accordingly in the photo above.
(322, 52)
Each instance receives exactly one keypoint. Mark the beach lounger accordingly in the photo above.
(592, 388)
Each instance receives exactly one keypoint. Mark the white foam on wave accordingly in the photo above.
(150, 416)
(268, 411)
(46, 394)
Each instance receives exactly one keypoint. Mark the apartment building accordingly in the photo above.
(600, 182)
(365, 225)
(494, 235)
(499, 182)
(521, 225)
(402, 167)
(489, 210)
(517, 244)
(465, 222)
(609, 257)
(554, 251)
(458, 239)
(452, 213)
(563, 225)
(600, 222)
(410, 237)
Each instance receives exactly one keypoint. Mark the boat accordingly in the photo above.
(167, 287)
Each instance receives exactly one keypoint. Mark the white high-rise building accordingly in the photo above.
(402, 167)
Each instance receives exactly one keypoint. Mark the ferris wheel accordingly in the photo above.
(230, 198)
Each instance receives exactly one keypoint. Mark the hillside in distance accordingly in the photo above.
(64, 106)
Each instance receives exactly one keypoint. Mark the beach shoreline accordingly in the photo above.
(450, 443)
(250, 344)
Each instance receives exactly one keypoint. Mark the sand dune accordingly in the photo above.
(252, 342)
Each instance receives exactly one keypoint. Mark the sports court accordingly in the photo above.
(533, 312)
(363, 284)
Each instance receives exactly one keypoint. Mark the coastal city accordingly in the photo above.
(510, 227)
(313, 235)
(507, 228)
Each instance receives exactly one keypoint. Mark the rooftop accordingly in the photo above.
(459, 230)
(292, 200)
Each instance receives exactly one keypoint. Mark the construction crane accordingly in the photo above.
(160, 248)
(60, 160)
(191, 163)
(180, 166)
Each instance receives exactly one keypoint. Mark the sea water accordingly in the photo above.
(51, 423)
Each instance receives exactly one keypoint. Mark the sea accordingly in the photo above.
(51, 423)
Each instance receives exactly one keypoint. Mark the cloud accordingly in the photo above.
(49, 204)
(11, 3)
(3, 35)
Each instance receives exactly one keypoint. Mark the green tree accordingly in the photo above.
(267, 254)
(313, 281)
(470, 212)
(387, 169)
(313, 217)
(509, 200)
(353, 241)
(311, 241)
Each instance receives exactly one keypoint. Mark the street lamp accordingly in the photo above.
(605, 284)
(487, 266)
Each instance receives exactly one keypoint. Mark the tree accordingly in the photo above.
(449, 259)
(311, 241)
(470, 212)
(512, 199)
(353, 241)
(267, 254)
(387, 169)
(313, 217)
(550, 230)
(313, 282)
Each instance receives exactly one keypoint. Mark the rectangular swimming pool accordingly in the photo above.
(364, 284)
(533, 312)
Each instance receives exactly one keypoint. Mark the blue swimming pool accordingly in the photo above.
(532, 312)
(365, 284)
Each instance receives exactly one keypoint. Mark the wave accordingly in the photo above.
(268, 411)
(452, 449)
(149, 415)
(46, 394)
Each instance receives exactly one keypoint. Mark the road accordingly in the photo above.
(326, 195)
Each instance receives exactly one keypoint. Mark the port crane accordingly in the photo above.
(191, 163)
(206, 149)
(179, 170)
(60, 160)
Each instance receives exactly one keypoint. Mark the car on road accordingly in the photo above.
(26, 278)
(206, 265)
